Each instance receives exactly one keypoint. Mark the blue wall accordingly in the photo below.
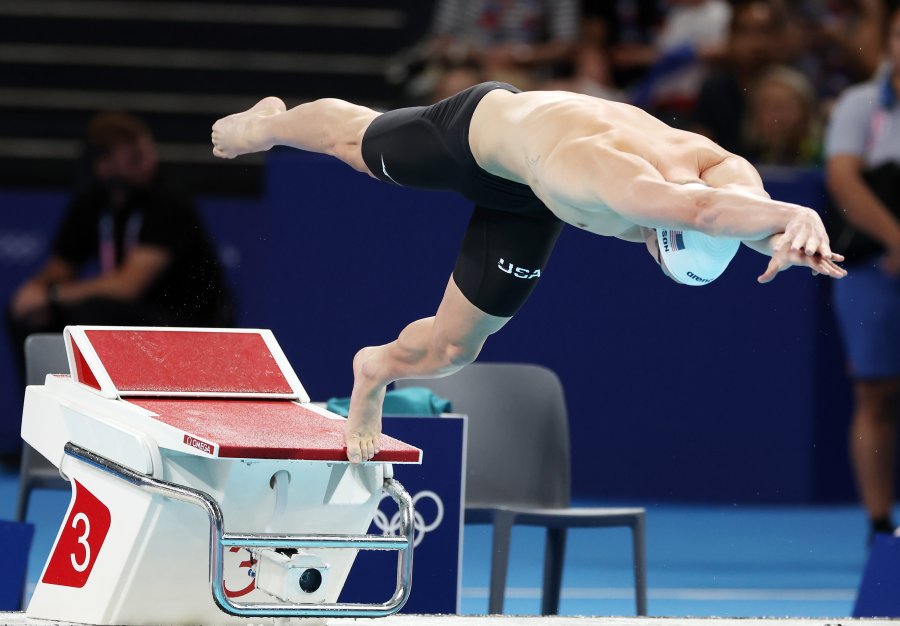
(733, 392)
(27, 223)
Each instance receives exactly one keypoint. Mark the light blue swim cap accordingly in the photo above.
(694, 258)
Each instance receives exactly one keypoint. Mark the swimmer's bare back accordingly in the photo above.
(583, 156)
(507, 126)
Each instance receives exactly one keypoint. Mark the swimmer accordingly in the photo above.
(532, 162)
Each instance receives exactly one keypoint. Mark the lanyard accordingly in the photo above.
(107, 228)
(887, 99)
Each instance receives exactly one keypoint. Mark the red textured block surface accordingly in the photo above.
(187, 361)
(266, 429)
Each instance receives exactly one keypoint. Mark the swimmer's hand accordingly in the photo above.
(805, 232)
(787, 257)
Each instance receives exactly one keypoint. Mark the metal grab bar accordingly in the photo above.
(219, 540)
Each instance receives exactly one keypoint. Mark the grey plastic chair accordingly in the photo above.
(518, 470)
(45, 353)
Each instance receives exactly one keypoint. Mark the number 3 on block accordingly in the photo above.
(79, 542)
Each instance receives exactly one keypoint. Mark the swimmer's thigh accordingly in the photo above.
(502, 257)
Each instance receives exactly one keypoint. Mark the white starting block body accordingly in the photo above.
(149, 419)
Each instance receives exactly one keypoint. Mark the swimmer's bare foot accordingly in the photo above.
(362, 432)
(242, 133)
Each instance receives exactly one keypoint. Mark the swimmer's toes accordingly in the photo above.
(354, 455)
(355, 448)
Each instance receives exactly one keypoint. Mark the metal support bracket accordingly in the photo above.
(220, 541)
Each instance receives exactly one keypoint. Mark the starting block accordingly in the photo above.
(206, 488)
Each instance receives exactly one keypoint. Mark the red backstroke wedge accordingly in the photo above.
(144, 361)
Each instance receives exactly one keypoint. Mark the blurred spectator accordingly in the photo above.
(783, 123)
(693, 32)
(591, 75)
(592, 72)
(156, 265)
(518, 41)
(630, 28)
(835, 43)
(756, 29)
(849, 43)
(863, 175)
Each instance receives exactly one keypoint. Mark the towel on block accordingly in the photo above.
(408, 401)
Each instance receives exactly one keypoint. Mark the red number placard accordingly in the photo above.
(79, 543)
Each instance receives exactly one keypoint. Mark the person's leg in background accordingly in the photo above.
(873, 438)
(867, 305)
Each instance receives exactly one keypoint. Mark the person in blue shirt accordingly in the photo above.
(864, 136)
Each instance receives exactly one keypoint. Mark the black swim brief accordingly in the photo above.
(511, 233)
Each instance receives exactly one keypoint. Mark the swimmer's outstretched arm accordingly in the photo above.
(637, 191)
(722, 212)
(737, 173)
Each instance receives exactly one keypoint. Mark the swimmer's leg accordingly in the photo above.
(328, 126)
(428, 348)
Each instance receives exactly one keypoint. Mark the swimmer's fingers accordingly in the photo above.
(817, 242)
(783, 258)
(830, 268)
(821, 265)
(806, 234)
(781, 242)
(818, 245)
(811, 246)
(800, 238)
(776, 264)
